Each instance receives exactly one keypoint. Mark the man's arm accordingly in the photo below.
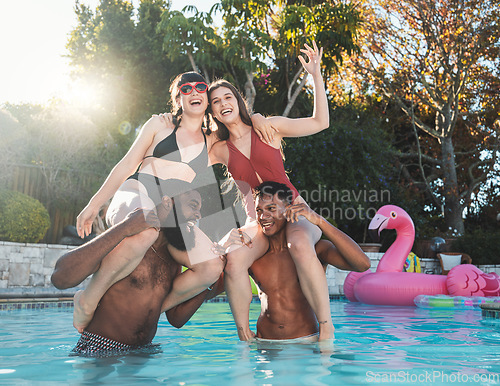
(344, 253)
(76, 265)
(180, 314)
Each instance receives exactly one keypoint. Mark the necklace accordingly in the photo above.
(241, 136)
(157, 254)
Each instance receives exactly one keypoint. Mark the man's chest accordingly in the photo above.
(153, 273)
(274, 270)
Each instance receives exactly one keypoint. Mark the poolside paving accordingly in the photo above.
(490, 310)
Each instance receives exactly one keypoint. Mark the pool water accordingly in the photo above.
(374, 344)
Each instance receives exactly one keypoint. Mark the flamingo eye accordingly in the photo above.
(394, 215)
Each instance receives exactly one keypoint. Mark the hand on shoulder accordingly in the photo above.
(162, 121)
(265, 128)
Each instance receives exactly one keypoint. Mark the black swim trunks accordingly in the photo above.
(92, 345)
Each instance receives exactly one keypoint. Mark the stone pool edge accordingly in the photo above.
(490, 311)
(67, 302)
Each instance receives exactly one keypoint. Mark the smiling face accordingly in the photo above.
(186, 212)
(224, 105)
(190, 206)
(270, 214)
(194, 103)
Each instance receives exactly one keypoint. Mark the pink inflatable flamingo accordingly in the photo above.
(390, 286)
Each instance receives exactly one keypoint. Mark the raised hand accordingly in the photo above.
(313, 66)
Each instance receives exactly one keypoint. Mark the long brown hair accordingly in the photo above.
(175, 93)
(222, 131)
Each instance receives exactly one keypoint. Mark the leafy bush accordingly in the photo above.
(482, 246)
(23, 219)
(346, 171)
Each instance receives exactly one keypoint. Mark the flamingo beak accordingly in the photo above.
(377, 225)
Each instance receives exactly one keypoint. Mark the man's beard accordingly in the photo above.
(183, 240)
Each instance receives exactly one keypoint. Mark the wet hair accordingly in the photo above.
(222, 131)
(179, 80)
(270, 188)
(183, 241)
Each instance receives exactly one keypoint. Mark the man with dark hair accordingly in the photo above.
(271, 188)
(285, 312)
(128, 313)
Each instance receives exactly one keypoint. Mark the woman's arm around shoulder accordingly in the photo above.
(218, 153)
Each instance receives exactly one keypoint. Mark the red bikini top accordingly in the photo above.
(265, 161)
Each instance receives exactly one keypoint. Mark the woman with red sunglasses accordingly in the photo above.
(162, 161)
(251, 161)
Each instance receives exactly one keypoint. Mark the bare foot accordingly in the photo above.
(81, 314)
(326, 331)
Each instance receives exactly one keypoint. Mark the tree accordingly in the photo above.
(150, 68)
(13, 137)
(61, 140)
(346, 172)
(100, 47)
(111, 46)
(258, 35)
(261, 35)
(332, 24)
(438, 61)
(121, 54)
(191, 36)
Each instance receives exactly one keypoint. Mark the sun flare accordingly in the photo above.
(83, 93)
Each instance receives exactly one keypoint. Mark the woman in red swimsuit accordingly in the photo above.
(251, 162)
(166, 162)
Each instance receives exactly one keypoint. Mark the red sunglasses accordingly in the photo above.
(187, 88)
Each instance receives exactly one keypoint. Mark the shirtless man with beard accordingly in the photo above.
(128, 314)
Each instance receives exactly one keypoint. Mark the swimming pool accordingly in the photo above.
(375, 344)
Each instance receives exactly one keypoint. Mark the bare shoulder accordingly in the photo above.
(155, 125)
(219, 144)
(155, 121)
(218, 152)
(211, 137)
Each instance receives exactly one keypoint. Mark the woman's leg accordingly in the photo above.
(120, 262)
(301, 238)
(236, 279)
(198, 277)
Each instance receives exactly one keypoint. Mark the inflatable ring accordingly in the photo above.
(389, 285)
(456, 302)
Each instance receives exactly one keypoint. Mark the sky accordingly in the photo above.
(33, 36)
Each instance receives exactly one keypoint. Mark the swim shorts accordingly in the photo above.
(91, 344)
(303, 339)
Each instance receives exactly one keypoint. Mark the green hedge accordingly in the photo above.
(23, 219)
(481, 245)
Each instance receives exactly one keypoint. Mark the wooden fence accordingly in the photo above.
(31, 180)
